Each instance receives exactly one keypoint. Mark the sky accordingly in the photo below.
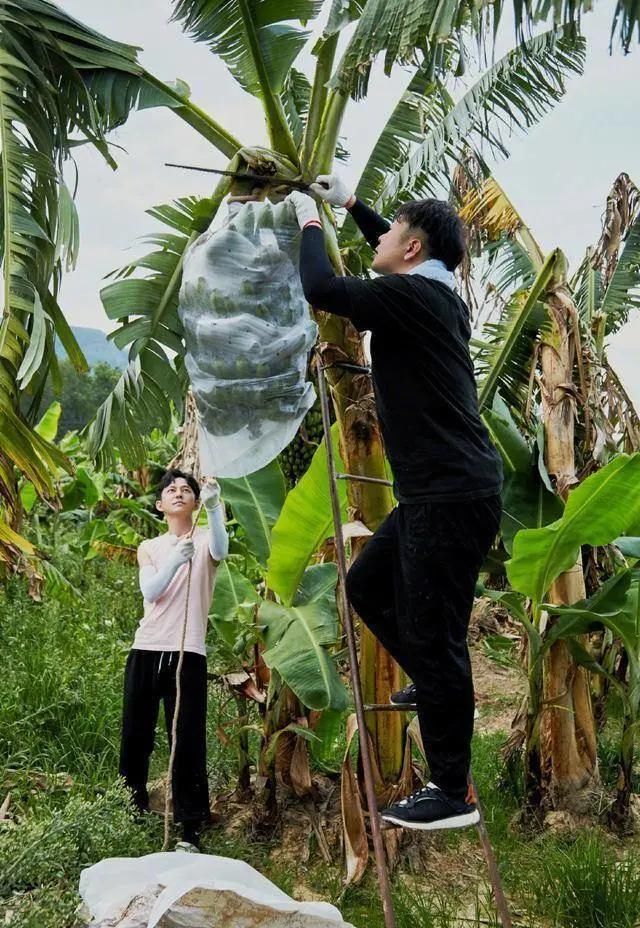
(558, 174)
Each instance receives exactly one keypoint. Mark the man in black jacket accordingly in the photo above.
(413, 585)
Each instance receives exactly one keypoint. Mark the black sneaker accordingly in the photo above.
(405, 698)
(430, 809)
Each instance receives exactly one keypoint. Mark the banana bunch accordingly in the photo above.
(247, 327)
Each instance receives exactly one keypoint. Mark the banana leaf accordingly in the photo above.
(304, 523)
(298, 639)
(256, 502)
(601, 509)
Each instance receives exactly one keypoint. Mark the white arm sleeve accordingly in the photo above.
(154, 582)
(218, 538)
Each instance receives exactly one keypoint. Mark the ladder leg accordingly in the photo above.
(376, 834)
(492, 866)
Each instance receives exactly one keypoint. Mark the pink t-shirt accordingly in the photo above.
(160, 628)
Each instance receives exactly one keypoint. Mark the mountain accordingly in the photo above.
(96, 347)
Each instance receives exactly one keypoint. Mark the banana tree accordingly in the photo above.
(303, 120)
(260, 43)
(552, 360)
(61, 84)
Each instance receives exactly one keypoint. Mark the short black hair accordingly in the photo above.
(443, 229)
(170, 476)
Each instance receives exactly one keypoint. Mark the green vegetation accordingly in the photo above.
(60, 703)
(80, 393)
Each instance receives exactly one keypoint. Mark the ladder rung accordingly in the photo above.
(348, 366)
(389, 707)
(358, 479)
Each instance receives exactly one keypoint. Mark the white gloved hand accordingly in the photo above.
(332, 189)
(305, 207)
(182, 552)
(210, 495)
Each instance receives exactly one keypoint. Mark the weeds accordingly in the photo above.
(60, 705)
(584, 885)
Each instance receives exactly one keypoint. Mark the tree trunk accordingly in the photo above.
(567, 728)
(363, 455)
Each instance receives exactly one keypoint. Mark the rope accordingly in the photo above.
(174, 724)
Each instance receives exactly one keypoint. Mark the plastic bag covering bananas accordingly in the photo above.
(248, 334)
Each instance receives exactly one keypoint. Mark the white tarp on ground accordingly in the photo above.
(192, 891)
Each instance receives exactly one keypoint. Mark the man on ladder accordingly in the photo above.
(173, 593)
(414, 582)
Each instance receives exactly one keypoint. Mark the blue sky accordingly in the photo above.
(558, 174)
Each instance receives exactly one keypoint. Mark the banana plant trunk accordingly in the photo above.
(363, 455)
(568, 757)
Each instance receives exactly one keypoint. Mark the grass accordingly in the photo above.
(60, 705)
(586, 885)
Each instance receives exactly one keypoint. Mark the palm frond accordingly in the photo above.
(147, 309)
(141, 399)
(403, 30)
(296, 93)
(491, 216)
(623, 291)
(258, 43)
(626, 17)
(509, 266)
(513, 94)
(505, 359)
(586, 287)
(398, 28)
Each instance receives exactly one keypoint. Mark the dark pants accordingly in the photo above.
(413, 586)
(150, 676)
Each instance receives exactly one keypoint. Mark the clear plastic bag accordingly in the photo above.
(248, 334)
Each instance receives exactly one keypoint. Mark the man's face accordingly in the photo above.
(398, 250)
(178, 498)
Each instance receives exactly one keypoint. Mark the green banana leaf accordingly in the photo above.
(304, 523)
(526, 501)
(298, 639)
(597, 511)
(327, 750)
(82, 491)
(234, 597)
(605, 607)
(256, 502)
(47, 427)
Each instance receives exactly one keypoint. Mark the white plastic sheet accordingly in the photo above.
(248, 334)
(192, 891)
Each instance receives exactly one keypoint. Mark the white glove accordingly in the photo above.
(210, 495)
(305, 207)
(182, 552)
(331, 188)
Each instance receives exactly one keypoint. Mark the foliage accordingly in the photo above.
(528, 500)
(304, 523)
(44, 849)
(428, 128)
(53, 95)
(585, 885)
(80, 393)
(256, 502)
(297, 640)
(597, 511)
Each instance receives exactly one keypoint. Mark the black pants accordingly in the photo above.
(413, 586)
(150, 676)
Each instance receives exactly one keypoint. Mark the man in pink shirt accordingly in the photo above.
(150, 675)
